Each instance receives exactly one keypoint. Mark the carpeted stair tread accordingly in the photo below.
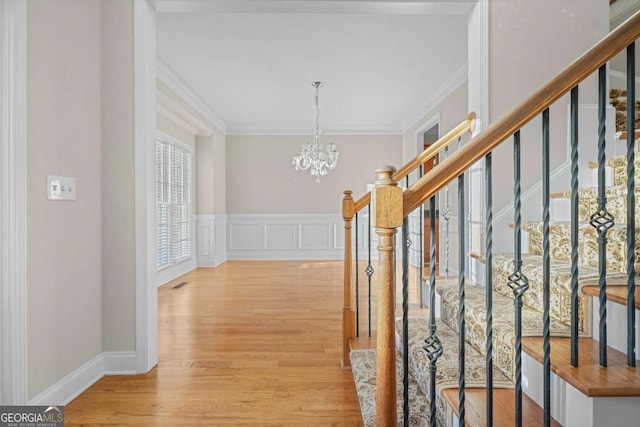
(560, 286)
(560, 244)
(503, 323)
(363, 365)
(447, 364)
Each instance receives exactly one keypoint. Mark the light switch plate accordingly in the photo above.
(61, 187)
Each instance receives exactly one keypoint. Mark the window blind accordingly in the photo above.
(173, 204)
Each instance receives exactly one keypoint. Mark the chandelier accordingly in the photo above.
(315, 155)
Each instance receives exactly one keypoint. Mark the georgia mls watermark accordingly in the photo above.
(31, 416)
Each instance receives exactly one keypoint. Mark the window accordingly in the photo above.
(173, 203)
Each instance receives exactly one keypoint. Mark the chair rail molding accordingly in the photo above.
(13, 205)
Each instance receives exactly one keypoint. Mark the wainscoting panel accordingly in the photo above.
(285, 236)
(279, 236)
(245, 236)
(315, 236)
(211, 240)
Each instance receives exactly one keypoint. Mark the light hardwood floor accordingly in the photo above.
(251, 343)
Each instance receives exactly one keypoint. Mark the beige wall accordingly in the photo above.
(530, 42)
(64, 304)
(261, 179)
(81, 254)
(118, 203)
(451, 111)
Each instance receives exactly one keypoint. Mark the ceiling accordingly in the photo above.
(252, 62)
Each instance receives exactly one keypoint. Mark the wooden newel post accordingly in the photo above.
(348, 312)
(387, 215)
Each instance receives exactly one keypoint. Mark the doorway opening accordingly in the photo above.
(430, 136)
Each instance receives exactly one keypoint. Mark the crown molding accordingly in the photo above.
(380, 7)
(180, 88)
(447, 88)
(306, 132)
(179, 115)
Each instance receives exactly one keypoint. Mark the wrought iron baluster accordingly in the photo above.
(405, 318)
(433, 345)
(446, 215)
(489, 285)
(369, 270)
(421, 250)
(546, 270)
(631, 204)
(357, 280)
(461, 305)
(574, 227)
(602, 220)
(518, 281)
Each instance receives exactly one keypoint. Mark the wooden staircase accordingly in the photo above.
(482, 376)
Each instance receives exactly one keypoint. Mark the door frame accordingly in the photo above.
(13, 202)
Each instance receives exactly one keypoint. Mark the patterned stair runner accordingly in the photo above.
(503, 324)
(363, 365)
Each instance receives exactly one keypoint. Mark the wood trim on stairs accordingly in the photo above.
(617, 380)
(615, 293)
(503, 408)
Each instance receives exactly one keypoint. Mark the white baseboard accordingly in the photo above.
(73, 384)
(170, 273)
(120, 363)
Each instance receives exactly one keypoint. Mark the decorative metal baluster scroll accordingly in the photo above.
(433, 345)
(446, 215)
(602, 220)
(518, 281)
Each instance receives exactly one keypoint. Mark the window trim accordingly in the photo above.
(165, 138)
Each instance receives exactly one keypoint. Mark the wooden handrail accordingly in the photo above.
(434, 180)
(362, 202)
(465, 126)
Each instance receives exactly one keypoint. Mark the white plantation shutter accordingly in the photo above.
(173, 197)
